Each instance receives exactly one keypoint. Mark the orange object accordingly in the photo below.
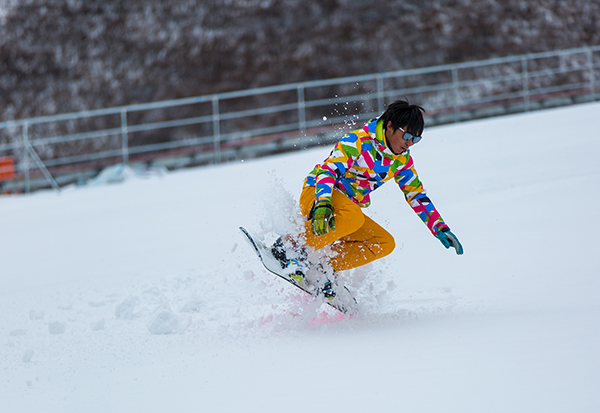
(357, 240)
(7, 168)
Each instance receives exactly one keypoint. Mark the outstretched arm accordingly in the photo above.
(417, 198)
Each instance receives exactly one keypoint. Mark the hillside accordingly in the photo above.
(59, 56)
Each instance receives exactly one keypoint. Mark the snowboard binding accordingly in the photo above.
(297, 268)
(328, 291)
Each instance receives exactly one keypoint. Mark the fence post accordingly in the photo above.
(26, 154)
(456, 96)
(380, 100)
(590, 57)
(29, 151)
(42, 167)
(301, 110)
(124, 137)
(216, 129)
(525, 75)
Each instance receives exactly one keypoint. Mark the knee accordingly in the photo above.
(387, 245)
(349, 219)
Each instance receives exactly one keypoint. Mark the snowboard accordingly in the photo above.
(344, 301)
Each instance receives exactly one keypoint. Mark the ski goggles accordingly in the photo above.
(408, 136)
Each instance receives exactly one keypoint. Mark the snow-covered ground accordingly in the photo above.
(91, 276)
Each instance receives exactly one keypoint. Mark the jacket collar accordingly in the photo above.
(376, 126)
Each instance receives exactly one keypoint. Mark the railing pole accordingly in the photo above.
(380, 99)
(43, 168)
(525, 75)
(301, 110)
(26, 160)
(124, 137)
(216, 129)
(590, 57)
(456, 95)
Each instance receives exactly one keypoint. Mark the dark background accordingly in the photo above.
(68, 55)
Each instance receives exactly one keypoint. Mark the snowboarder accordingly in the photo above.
(335, 192)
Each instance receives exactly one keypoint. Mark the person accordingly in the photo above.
(336, 191)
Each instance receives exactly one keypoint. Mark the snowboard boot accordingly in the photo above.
(278, 251)
(328, 291)
(297, 267)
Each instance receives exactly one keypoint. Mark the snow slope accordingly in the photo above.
(91, 277)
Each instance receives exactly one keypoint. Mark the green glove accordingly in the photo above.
(448, 239)
(322, 218)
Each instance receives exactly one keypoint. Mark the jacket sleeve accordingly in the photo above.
(415, 195)
(337, 163)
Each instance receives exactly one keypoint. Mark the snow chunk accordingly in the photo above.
(164, 321)
(192, 306)
(124, 311)
(120, 173)
(57, 327)
(36, 315)
(27, 355)
(98, 325)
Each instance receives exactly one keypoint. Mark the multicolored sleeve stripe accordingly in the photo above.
(341, 158)
(415, 195)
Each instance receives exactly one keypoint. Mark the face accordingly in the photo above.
(395, 139)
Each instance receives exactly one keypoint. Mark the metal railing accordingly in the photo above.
(239, 124)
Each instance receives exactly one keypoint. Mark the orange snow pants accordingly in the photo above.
(357, 239)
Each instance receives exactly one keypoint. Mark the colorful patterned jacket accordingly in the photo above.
(361, 162)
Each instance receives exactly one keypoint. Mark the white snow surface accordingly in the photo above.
(143, 296)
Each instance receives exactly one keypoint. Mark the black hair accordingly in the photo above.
(403, 114)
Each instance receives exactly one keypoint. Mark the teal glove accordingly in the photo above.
(448, 239)
(322, 218)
